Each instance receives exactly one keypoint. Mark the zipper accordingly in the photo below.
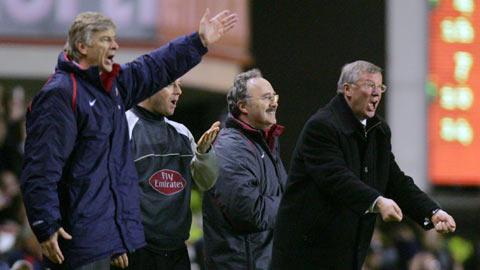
(248, 252)
(370, 128)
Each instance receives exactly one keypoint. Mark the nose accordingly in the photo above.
(115, 45)
(376, 91)
(274, 103)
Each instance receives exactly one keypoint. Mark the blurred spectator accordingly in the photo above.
(27, 249)
(22, 265)
(10, 198)
(406, 243)
(3, 135)
(2, 102)
(16, 104)
(14, 145)
(436, 244)
(424, 261)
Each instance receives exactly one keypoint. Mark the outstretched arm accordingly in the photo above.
(211, 30)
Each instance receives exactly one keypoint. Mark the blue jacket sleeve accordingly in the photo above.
(51, 134)
(151, 72)
(238, 188)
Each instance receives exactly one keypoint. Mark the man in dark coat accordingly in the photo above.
(239, 212)
(343, 173)
(79, 183)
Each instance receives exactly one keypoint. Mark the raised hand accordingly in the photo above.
(205, 142)
(443, 222)
(389, 209)
(211, 30)
(51, 249)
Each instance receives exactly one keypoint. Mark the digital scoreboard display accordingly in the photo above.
(454, 92)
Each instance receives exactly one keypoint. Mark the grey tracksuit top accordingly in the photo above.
(165, 156)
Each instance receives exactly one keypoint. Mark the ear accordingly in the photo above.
(347, 90)
(82, 48)
(242, 107)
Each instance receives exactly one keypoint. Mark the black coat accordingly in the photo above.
(338, 170)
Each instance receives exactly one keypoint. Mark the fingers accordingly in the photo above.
(120, 261)
(389, 210)
(208, 137)
(52, 251)
(64, 234)
(215, 125)
(205, 15)
(227, 19)
(444, 223)
(398, 216)
(230, 22)
(221, 15)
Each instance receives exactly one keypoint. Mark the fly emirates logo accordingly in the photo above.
(167, 182)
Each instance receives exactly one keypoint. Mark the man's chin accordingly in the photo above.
(106, 68)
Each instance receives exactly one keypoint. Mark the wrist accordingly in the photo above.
(434, 212)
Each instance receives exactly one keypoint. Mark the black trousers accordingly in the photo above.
(145, 259)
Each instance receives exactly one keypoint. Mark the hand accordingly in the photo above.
(205, 142)
(443, 222)
(120, 261)
(51, 249)
(389, 209)
(211, 30)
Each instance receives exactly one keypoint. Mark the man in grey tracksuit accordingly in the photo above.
(168, 161)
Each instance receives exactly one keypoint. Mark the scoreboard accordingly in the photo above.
(454, 92)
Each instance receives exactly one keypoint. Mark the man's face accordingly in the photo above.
(261, 104)
(364, 95)
(101, 51)
(165, 101)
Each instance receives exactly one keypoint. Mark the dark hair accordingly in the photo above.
(238, 91)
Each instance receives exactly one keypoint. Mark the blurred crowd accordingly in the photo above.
(393, 247)
(19, 248)
(398, 246)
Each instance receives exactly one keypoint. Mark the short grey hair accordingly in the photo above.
(238, 92)
(82, 29)
(351, 72)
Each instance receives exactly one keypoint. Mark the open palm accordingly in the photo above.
(211, 30)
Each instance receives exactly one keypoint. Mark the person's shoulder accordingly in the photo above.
(234, 142)
(179, 128)
(322, 118)
(57, 83)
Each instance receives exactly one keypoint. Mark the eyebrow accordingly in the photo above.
(269, 94)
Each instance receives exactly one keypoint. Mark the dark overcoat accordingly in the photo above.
(339, 167)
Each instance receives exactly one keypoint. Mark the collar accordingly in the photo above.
(92, 74)
(345, 117)
(148, 115)
(267, 135)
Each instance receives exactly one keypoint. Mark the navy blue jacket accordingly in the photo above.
(78, 171)
(239, 212)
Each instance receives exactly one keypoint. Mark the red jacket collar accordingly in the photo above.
(268, 134)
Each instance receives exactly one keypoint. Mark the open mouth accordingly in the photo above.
(110, 58)
(372, 105)
(271, 111)
(174, 102)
